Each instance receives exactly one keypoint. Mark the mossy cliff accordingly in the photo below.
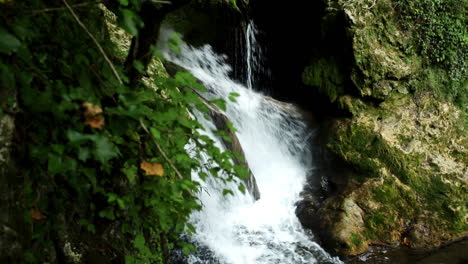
(405, 139)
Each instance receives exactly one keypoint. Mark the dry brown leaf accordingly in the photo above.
(406, 241)
(36, 215)
(93, 115)
(152, 168)
(95, 122)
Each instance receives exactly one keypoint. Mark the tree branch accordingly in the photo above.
(52, 9)
(162, 151)
(95, 41)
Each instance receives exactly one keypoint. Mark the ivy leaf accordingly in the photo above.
(83, 153)
(242, 188)
(105, 150)
(131, 172)
(227, 191)
(8, 42)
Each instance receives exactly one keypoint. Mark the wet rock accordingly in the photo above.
(221, 121)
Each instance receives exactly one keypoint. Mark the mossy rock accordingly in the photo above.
(327, 76)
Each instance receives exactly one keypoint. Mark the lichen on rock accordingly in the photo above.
(406, 145)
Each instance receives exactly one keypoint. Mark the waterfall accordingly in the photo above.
(236, 229)
(253, 54)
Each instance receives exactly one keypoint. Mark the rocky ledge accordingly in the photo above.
(407, 148)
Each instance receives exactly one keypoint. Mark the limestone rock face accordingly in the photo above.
(407, 147)
(379, 47)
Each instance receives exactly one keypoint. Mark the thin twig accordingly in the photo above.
(161, 2)
(95, 41)
(162, 151)
(52, 9)
(210, 105)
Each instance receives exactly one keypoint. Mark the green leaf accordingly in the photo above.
(78, 138)
(174, 43)
(129, 21)
(241, 188)
(8, 42)
(54, 164)
(234, 3)
(123, 2)
(241, 172)
(7, 76)
(139, 242)
(233, 96)
(155, 133)
(219, 103)
(83, 153)
(90, 173)
(107, 213)
(227, 191)
(130, 171)
(105, 150)
(231, 127)
(131, 260)
(139, 66)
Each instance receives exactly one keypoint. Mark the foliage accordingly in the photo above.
(327, 75)
(440, 33)
(84, 136)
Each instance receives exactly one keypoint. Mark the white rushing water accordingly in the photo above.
(236, 229)
(253, 53)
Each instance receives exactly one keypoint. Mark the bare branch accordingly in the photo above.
(162, 151)
(52, 9)
(95, 41)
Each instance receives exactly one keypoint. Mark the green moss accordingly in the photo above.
(440, 36)
(326, 75)
(398, 204)
(443, 195)
(356, 240)
(444, 198)
(369, 153)
(379, 223)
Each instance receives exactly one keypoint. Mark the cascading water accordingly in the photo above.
(253, 51)
(236, 229)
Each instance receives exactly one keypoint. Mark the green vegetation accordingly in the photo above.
(356, 240)
(440, 33)
(370, 155)
(369, 152)
(327, 76)
(94, 153)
